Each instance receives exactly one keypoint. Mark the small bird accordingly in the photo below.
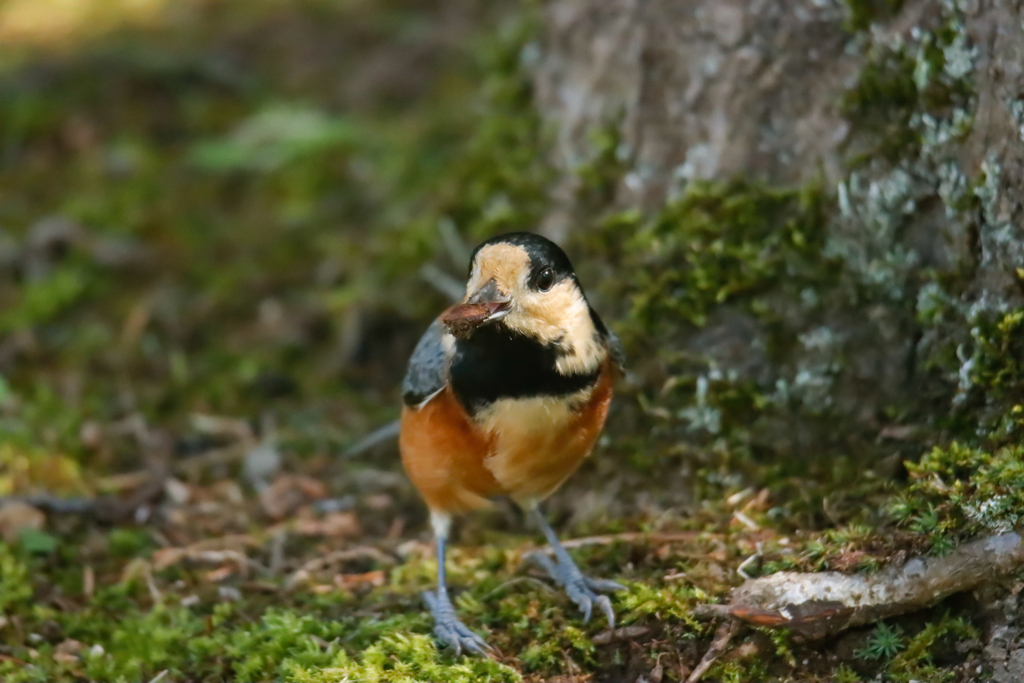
(505, 395)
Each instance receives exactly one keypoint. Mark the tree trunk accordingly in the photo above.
(912, 121)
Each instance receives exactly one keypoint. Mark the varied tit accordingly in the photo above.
(505, 395)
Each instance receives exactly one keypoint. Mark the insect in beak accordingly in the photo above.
(485, 306)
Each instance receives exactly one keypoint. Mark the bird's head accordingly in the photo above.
(525, 283)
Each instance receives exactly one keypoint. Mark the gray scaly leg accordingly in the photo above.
(447, 627)
(580, 589)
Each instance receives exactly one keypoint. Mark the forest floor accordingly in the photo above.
(213, 223)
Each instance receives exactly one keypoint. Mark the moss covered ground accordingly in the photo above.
(214, 220)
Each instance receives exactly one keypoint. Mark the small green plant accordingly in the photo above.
(844, 674)
(915, 661)
(885, 642)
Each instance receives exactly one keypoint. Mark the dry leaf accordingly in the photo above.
(229, 548)
(335, 524)
(221, 573)
(177, 491)
(626, 632)
(67, 651)
(379, 501)
(165, 557)
(288, 493)
(350, 581)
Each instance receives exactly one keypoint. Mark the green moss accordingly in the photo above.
(903, 87)
(230, 643)
(401, 658)
(42, 300)
(540, 628)
(281, 641)
(718, 243)
(600, 174)
(739, 670)
(781, 638)
(955, 493)
(982, 351)
(883, 100)
(28, 469)
(915, 662)
(844, 674)
(143, 645)
(909, 658)
(958, 491)
(664, 603)
(719, 253)
(128, 543)
(912, 107)
(15, 588)
(997, 373)
(861, 14)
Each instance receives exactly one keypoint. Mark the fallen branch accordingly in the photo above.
(61, 506)
(822, 604)
(107, 508)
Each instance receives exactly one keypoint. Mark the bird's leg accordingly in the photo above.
(580, 589)
(447, 627)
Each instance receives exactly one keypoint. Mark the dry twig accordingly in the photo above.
(377, 436)
(723, 636)
(822, 604)
(363, 552)
(442, 281)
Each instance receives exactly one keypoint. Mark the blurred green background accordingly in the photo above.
(225, 223)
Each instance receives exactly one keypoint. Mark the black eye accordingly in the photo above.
(545, 279)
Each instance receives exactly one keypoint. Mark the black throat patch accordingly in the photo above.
(496, 363)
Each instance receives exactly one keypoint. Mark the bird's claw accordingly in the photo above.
(580, 589)
(603, 584)
(449, 630)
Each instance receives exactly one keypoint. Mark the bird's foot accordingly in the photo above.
(449, 630)
(581, 589)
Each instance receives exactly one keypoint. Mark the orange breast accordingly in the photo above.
(443, 452)
(523, 448)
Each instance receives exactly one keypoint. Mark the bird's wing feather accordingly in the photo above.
(615, 349)
(428, 366)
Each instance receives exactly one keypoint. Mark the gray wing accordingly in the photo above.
(428, 366)
(615, 349)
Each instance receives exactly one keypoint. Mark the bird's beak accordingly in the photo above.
(484, 306)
